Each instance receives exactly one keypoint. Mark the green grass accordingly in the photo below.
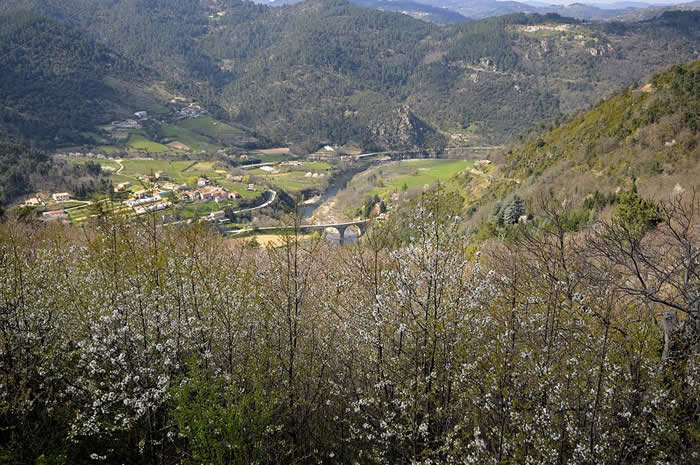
(210, 127)
(134, 167)
(292, 181)
(195, 210)
(240, 188)
(107, 149)
(415, 173)
(140, 143)
(193, 138)
(318, 166)
(185, 136)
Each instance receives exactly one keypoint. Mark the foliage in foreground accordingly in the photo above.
(127, 343)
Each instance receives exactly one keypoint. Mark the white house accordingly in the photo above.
(61, 197)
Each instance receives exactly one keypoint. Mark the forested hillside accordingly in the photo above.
(327, 71)
(644, 137)
(53, 79)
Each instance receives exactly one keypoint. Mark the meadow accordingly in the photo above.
(408, 174)
(396, 176)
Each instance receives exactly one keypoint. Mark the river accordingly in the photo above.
(322, 204)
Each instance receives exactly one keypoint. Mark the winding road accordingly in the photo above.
(273, 196)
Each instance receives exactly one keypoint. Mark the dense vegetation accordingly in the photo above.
(642, 138)
(327, 71)
(128, 343)
(52, 86)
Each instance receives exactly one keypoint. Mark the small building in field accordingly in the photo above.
(55, 215)
(251, 187)
(161, 175)
(61, 197)
(217, 215)
(139, 194)
(201, 182)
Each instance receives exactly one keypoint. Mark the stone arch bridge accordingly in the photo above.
(361, 226)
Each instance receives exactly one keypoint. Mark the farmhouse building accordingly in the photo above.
(61, 197)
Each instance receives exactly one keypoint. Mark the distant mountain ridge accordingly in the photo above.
(328, 71)
(415, 9)
(443, 11)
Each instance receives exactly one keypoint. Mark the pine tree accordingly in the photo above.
(514, 210)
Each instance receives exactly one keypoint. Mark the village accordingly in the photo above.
(154, 193)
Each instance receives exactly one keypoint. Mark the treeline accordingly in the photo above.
(130, 343)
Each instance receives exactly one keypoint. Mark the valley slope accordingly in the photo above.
(328, 71)
(643, 138)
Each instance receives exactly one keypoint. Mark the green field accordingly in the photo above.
(191, 139)
(208, 126)
(140, 143)
(317, 166)
(293, 178)
(395, 176)
(200, 209)
(199, 134)
(411, 173)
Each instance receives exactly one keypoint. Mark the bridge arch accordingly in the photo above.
(340, 231)
(354, 230)
(358, 228)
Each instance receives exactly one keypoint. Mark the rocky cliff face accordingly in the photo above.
(402, 130)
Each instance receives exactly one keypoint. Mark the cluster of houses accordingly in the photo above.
(204, 192)
(58, 197)
(192, 110)
(214, 193)
(156, 197)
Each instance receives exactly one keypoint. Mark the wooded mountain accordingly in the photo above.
(326, 71)
(642, 138)
(54, 78)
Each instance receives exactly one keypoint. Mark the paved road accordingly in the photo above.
(273, 196)
(257, 165)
